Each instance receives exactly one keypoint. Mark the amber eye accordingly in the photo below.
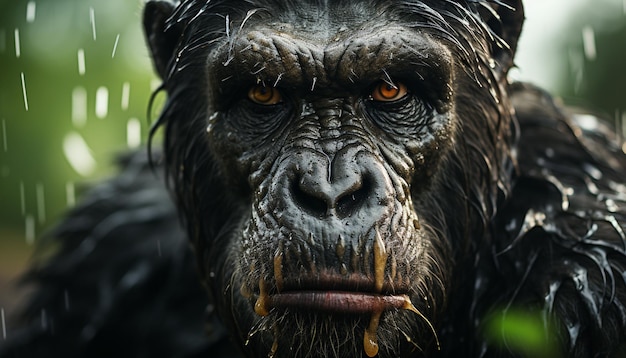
(388, 92)
(266, 96)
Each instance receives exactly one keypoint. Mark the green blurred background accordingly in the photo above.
(43, 160)
(52, 107)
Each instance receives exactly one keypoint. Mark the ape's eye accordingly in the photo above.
(388, 92)
(265, 96)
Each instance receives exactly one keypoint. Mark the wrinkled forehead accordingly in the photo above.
(349, 57)
(301, 37)
(317, 21)
(325, 18)
(321, 21)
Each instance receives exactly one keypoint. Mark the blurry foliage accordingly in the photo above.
(32, 159)
(522, 332)
(596, 68)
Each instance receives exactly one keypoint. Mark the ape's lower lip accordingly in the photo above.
(339, 301)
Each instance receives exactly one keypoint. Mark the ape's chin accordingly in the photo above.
(295, 333)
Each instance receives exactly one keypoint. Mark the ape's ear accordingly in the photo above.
(162, 39)
(505, 18)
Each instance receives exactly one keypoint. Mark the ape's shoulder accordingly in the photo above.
(560, 236)
(557, 142)
(121, 281)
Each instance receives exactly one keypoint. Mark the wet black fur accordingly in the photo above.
(534, 214)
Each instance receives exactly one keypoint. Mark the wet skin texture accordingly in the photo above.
(356, 178)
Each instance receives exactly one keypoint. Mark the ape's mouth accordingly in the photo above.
(336, 301)
(326, 291)
(346, 302)
(352, 294)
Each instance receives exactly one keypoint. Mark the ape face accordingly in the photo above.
(334, 162)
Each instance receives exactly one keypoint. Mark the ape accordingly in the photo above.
(356, 178)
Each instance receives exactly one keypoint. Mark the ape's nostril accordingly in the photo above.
(352, 200)
(306, 199)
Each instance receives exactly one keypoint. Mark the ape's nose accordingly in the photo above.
(318, 196)
(348, 185)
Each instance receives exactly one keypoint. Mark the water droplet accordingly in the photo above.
(18, 50)
(3, 40)
(81, 61)
(78, 154)
(589, 43)
(102, 102)
(133, 133)
(577, 63)
(619, 138)
(125, 95)
(573, 330)
(24, 91)
(611, 206)
(4, 325)
(44, 319)
(92, 20)
(117, 39)
(594, 172)
(41, 203)
(70, 194)
(66, 299)
(79, 106)
(212, 120)
(274, 348)
(623, 121)
(22, 198)
(5, 144)
(30, 11)
(30, 229)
